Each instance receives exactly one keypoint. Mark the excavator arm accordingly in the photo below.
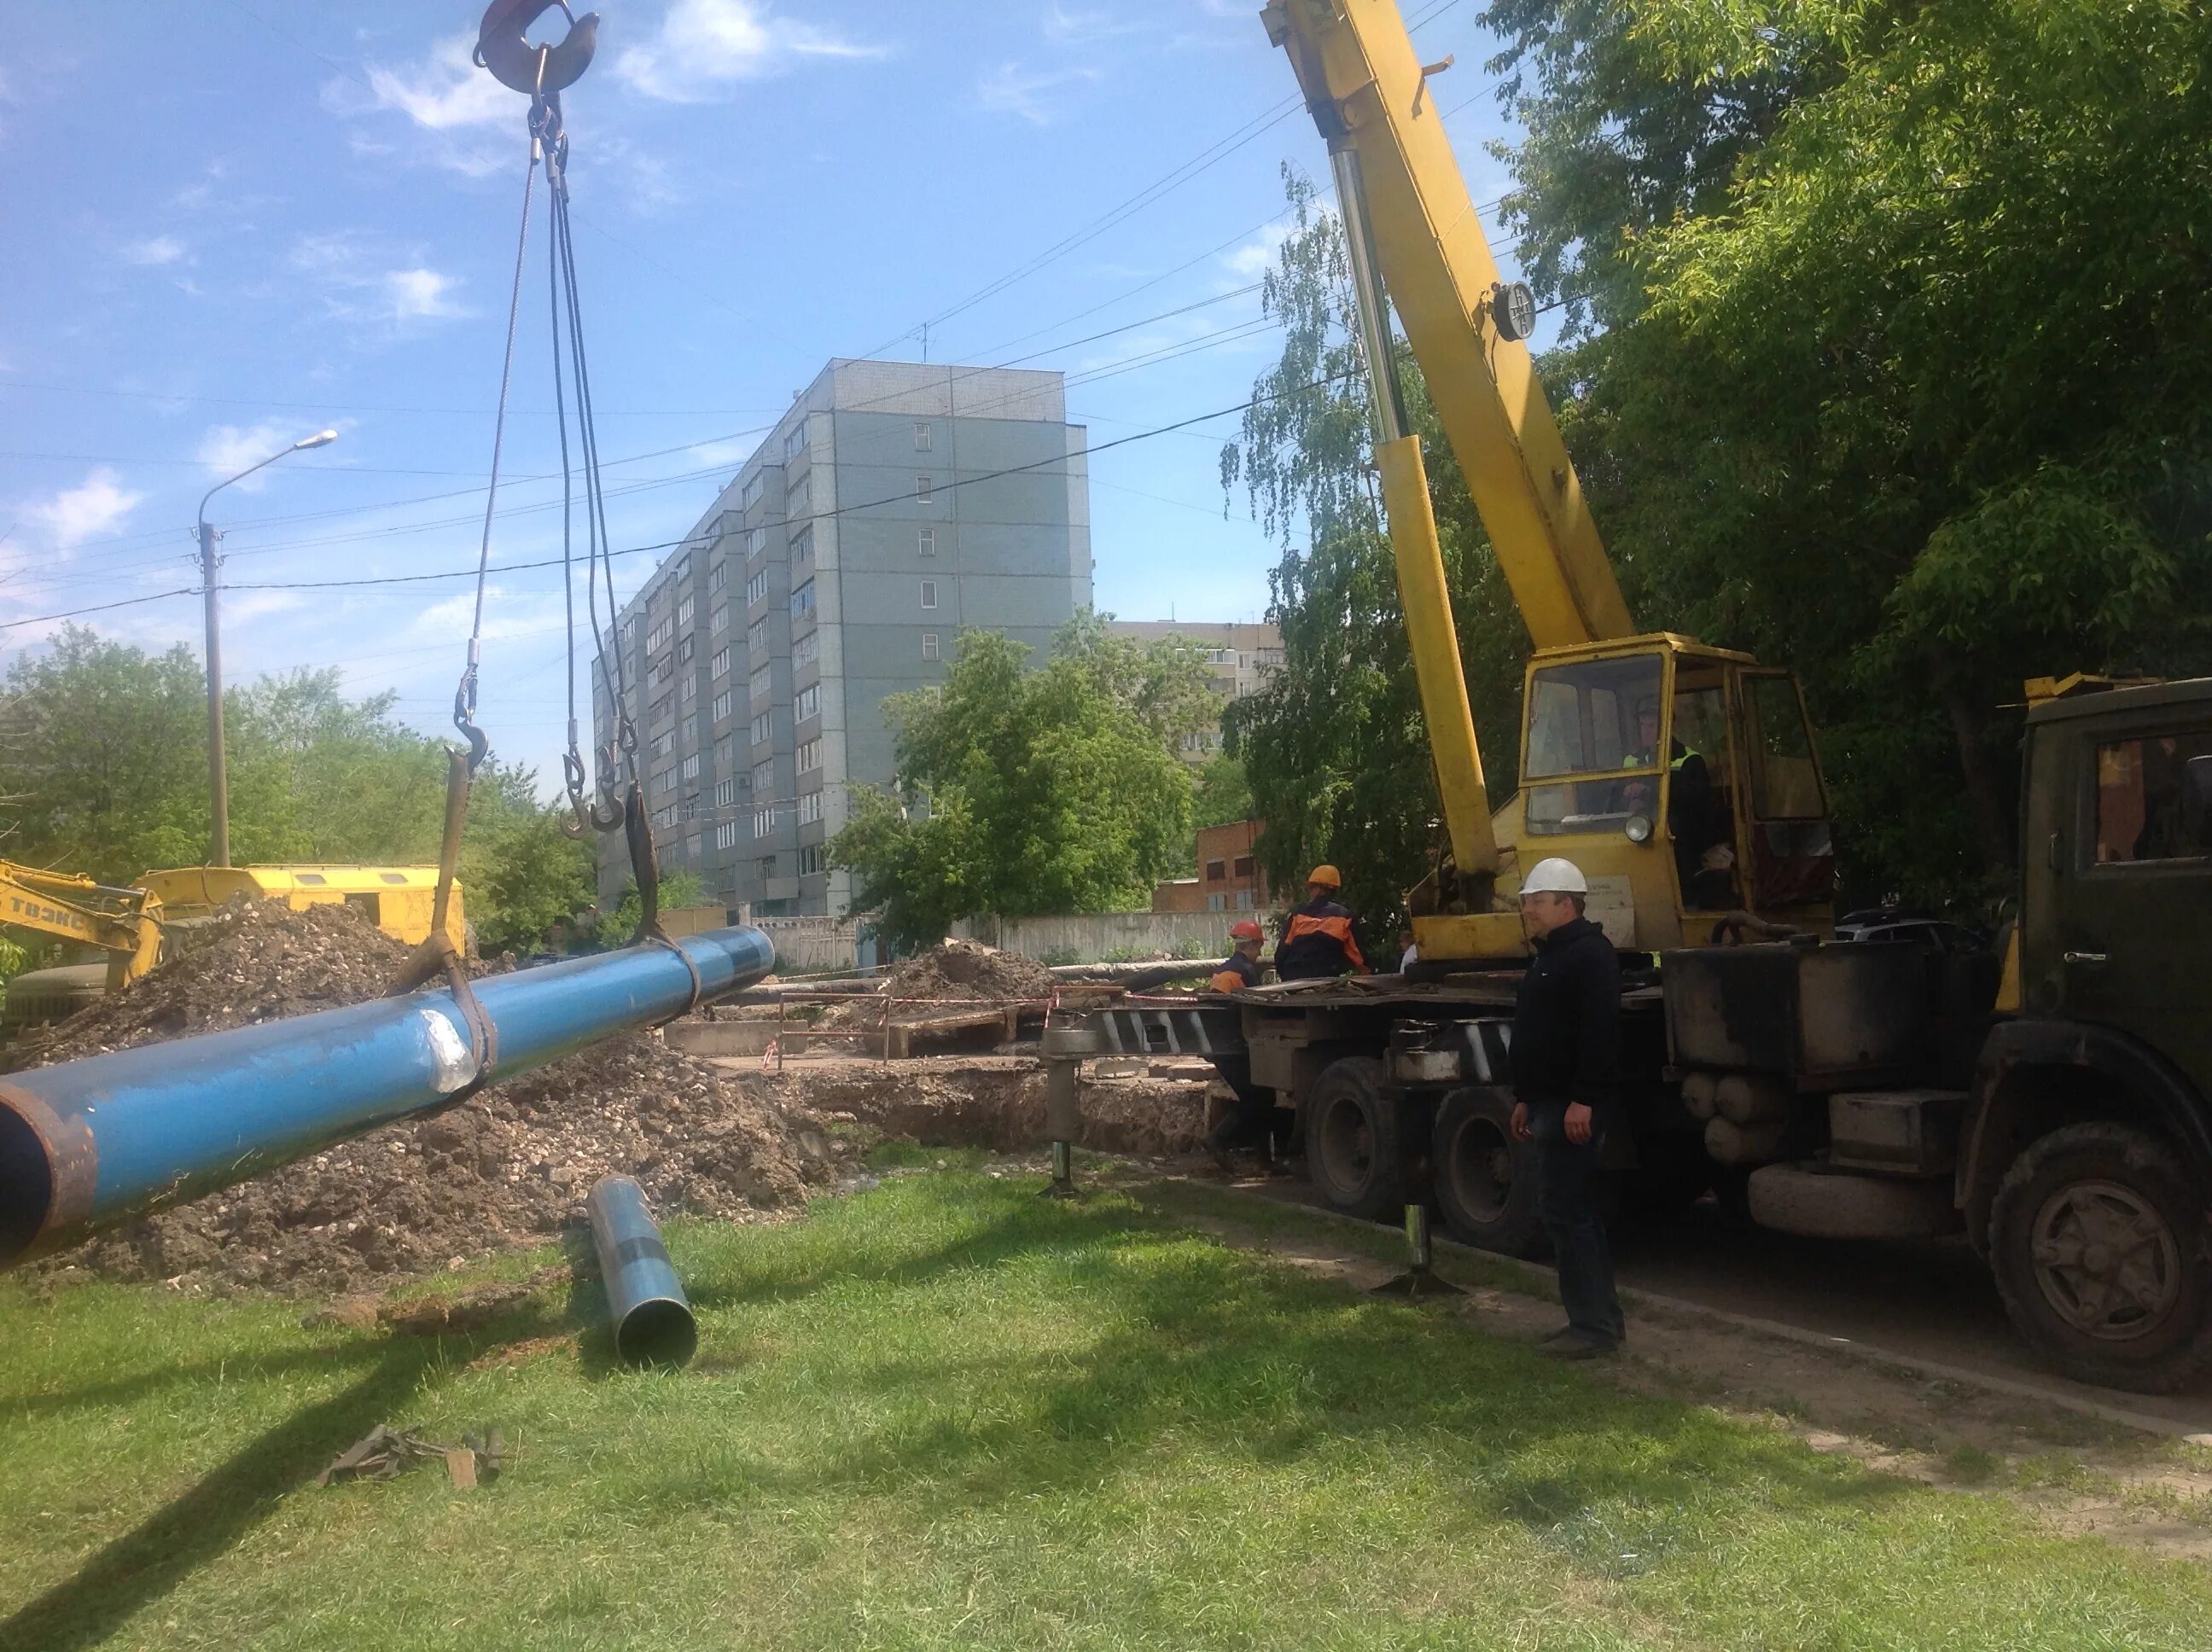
(125, 923)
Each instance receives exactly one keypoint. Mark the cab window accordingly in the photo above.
(2142, 809)
(1793, 853)
(1583, 719)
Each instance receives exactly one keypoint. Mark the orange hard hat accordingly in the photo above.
(1247, 931)
(1327, 876)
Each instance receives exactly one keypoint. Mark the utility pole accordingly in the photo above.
(218, 775)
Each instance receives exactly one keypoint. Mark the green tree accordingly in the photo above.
(1335, 746)
(619, 927)
(1906, 383)
(1050, 789)
(1224, 793)
(107, 775)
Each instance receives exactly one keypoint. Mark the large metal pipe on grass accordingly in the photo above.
(86, 1145)
(645, 1304)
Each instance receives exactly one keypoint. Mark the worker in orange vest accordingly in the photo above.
(1242, 966)
(1318, 942)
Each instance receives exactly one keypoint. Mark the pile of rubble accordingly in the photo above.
(509, 1164)
(252, 960)
(945, 977)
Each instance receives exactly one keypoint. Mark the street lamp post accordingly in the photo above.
(218, 776)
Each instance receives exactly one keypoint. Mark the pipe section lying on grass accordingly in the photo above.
(85, 1145)
(645, 1305)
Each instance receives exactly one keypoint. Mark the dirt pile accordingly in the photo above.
(942, 979)
(253, 961)
(511, 1163)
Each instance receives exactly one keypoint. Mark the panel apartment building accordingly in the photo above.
(893, 505)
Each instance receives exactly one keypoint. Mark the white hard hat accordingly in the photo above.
(1555, 876)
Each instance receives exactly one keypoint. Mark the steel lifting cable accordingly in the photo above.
(622, 793)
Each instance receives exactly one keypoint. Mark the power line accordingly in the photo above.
(631, 551)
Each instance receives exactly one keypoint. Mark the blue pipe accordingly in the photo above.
(85, 1145)
(652, 1319)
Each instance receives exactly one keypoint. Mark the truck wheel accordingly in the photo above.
(2098, 1242)
(1486, 1180)
(1355, 1152)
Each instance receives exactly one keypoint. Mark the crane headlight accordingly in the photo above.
(1638, 828)
(1513, 308)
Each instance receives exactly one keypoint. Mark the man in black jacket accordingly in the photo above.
(1319, 942)
(1566, 1078)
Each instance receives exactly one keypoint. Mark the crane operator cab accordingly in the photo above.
(1685, 773)
(1683, 781)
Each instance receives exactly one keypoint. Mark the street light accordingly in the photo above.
(218, 779)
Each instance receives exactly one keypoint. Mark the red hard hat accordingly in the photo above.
(1247, 931)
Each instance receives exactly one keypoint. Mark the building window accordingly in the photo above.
(929, 593)
(929, 645)
(767, 867)
(802, 548)
(806, 650)
(720, 665)
(809, 808)
(928, 542)
(663, 742)
(718, 576)
(687, 689)
(757, 588)
(923, 490)
(664, 780)
(725, 753)
(1244, 866)
(684, 610)
(1215, 871)
(763, 728)
(802, 600)
(756, 541)
(660, 709)
(685, 649)
(810, 860)
(658, 636)
(1217, 903)
(719, 621)
(798, 499)
(690, 727)
(763, 775)
(810, 757)
(757, 685)
(764, 820)
(683, 570)
(723, 705)
(664, 816)
(663, 669)
(794, 440)
(726, 834)
(757, 637)
(754, 483)
(808, 703)
(691, 769)
(725, 792)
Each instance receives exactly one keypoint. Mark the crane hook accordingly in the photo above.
(503, 48)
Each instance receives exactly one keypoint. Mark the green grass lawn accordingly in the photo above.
(950, 1413)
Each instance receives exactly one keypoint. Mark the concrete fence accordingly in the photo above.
(1098, 937)
(816, 946)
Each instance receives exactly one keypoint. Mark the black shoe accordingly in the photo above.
(1575, 1345)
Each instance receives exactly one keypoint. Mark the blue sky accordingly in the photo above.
(233, 222)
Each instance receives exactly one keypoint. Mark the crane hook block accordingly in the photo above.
(502, 47)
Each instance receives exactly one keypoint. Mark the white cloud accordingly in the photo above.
(243, 607)
(420, 296)
(1014, 90)
(704, 45)
(226, 449)
(446, 91)
(361, 284)
(1252, 260)
(1076, 27)
(154, 251)
(77, 514)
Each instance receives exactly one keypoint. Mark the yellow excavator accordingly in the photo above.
(123, 923)
(1680, 778)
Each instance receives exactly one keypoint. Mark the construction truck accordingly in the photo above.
(2046, 1095)
(135, 926)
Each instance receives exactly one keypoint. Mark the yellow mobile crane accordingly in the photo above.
(1680, 778)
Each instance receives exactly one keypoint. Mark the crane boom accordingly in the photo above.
(1369, 93)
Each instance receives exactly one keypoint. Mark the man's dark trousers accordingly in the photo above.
(1563, 1169)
